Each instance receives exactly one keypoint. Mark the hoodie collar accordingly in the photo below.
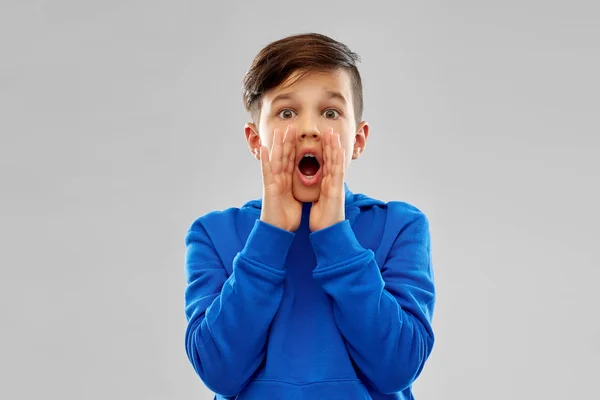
(353, 203)
(348, 195)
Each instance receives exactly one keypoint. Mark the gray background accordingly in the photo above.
(121, 122)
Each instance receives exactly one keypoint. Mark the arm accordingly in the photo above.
(228, 317)
(384, 316)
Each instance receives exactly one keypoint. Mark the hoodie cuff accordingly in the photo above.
(268, 245)
(335, 244)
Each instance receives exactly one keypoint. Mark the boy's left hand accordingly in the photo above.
(329, 208)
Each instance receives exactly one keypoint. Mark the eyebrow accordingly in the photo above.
(331, 94)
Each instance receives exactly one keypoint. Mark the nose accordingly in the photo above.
(308, 131)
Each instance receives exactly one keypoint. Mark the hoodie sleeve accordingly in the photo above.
(228, 317)
(384, 315)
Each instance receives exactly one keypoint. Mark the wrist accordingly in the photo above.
(275, 224)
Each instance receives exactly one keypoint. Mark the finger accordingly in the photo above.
(265, 165)
(291, 166)
(339, 165)
(338, 156)
(338, 141)
(276, 151)
(329, 153)
(334, 154)
(289, 157)
(323, 151)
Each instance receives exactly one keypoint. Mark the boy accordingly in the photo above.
(311, 292)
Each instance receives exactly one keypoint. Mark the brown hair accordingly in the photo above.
(305, 53)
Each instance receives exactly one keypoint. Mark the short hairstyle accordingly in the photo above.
(303, 53)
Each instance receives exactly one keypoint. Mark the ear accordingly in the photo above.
(253, 139)
(360, 139)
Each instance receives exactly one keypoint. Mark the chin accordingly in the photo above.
(306, 194)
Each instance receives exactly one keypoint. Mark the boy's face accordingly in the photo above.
(313, 105)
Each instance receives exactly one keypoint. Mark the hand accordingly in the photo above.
(280, 208)
(329, 208)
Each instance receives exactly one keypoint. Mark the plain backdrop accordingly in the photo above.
(121, 122)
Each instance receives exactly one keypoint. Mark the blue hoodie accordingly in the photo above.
(341, 313)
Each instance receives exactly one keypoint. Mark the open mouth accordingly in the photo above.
(309, 165)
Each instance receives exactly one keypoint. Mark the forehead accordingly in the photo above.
(321, 83)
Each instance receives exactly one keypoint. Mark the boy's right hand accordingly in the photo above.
(279, 207)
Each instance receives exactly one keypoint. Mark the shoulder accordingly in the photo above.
(402, 220)
(403, 211)
(396, 211)
(250, 210)
(224, 225)
(407, 224)
(222, 216)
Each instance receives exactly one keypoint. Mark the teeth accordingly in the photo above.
(309, 155)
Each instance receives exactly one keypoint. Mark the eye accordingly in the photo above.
(285, 110)
(330, 110)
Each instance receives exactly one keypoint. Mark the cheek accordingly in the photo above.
(347, 143)
(266, 140)
(267, 130)
(348, 146)
(266, 135)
